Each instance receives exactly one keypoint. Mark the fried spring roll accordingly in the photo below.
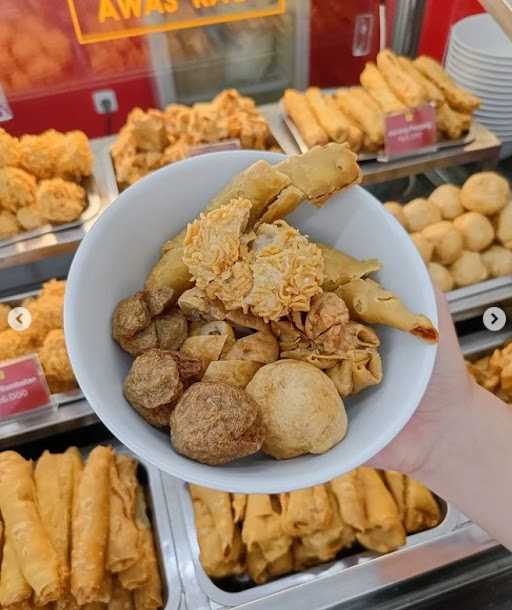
(89, 578)
(350, 495)
(285, 203)
(421, 509)
(384, 531)
(341, 268)
(14, 589)
(451, 123)
(409, 91)
(329, 120)
(354, 133)
(123, 549)
(261, 570)
(121, 598)
(361, 108)
(369, 302)
(239, 504)
(300, 112)
(376, 85)
(36, 556)
(305, 511)
(396, 484)
(458, 98)
(434, 94)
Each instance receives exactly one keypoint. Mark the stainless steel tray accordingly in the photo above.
(361, 568)
(471, 301)
(476, 345)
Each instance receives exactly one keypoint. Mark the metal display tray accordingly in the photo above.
(476, 345)
(471, 301)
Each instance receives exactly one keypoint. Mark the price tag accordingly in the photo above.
(23, 387)
(410, 132)
(5, 110)
(202, 149)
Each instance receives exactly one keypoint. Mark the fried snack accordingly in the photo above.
(451, 123)
(89, 578)
(148, 129)
(216, 562)
(503, 226)
(395, 481)
(35, 554)
(498, 261)
(419, 213)
(30, 217)
(407, 89)
(396, 210)
(300, 408)
(4, 313)
(8, 224)
(361, 108)
(361, 370)
(434, 94)
(121, 598)
(305, 511)
(421, 509)
(215, 423)
(17, 189)
(215, 328)
(60, 201)
(15, 343)
(130, 316)
(261, 347)
(171, 330)
(239, 504)
(285, 203)
(141, 342)
(38, 154)
(205, 348)
(153, 386)
(340, 268)
(485, 192)
(47, 315)
(376, 85)
(384, 531)
(56, 364)
(328, 120)
(447, 199)
(158, 300)
(476, 230)
(441, 277)
(268, 546)
(301, 113)
(468, 269)
(74, 157)
(15, 592)
(369, 302)
(424, 246)
(354, 137)
(349, 492)
(237, 373)
(9, 149)
(123, 549)
(447, 239)
(458, 98)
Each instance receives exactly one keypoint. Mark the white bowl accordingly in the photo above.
(477, 61)
(481, 75)
(492, 87)
(122, 246)
(480, 34)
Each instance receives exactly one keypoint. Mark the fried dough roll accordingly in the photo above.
(341, 268)
(121, 598)
(305, 511)
(384, 531)
(123, 549)
(218, 558)
(396, 484)
(219, 505)
(362, 109)
(89, 579)
(376, 85)
(268, 546)
(421, 509)
(354, 133)
(451, 123)
(434, 94)
(408, 90)
(350, 495)
(14, 589)
(328, 120)
(36, 556)
(298, 109)
(458, 98)
(239, 504)
(285, 203)
(369, 302)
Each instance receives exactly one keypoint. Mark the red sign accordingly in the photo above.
(411, 131)
(23, 387)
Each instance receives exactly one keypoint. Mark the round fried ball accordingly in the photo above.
(441, 277)
(216, 423)
(447, 241)
(485, 192)
(476, 229)
(447, 199)
(171, 329)
(420, 213)
(425, 248)
(301, 409)
(498, 261)
(396, 210)
(153, 386)
(504, 226)
(130, 316)
(468, 269)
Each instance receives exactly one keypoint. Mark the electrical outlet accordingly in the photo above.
(105, 101)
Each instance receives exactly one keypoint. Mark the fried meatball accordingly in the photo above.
(140, 342)
(504, 226)
(419, 213)
(171, 330)
(153, 386)
(424, 247)
(441, 277)
(498, 261)
(396, 210)
(130, 316)
(216, 423)
(485, 192)
(55, 362)
(447, 199)
(468, 269)
(447, 241)
(476, 229)
(17, 188)
(60, 201)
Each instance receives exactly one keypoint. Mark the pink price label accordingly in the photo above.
(410, 132)
(23, 387)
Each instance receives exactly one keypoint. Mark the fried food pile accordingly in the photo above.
(356, 114)
(494, 372)
(155, 138)
(76, 533)
(40, 179)
(248, 335)
(464, 235)
(45, 336)
(270, 536)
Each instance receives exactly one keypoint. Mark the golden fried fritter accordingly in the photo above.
(14, 344)
(9, 149)
(74, 157)
(17, 188)
(60, 201)
(54, 288)
(8, 224)
(4, 312)
(55, 362)
(38, 154)
(30, 217)
(46, 314)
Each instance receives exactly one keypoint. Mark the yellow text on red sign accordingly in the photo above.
(101, 20)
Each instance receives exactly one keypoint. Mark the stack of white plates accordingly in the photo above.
(479, 58)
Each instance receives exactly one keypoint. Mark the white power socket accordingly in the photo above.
(105, 101)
